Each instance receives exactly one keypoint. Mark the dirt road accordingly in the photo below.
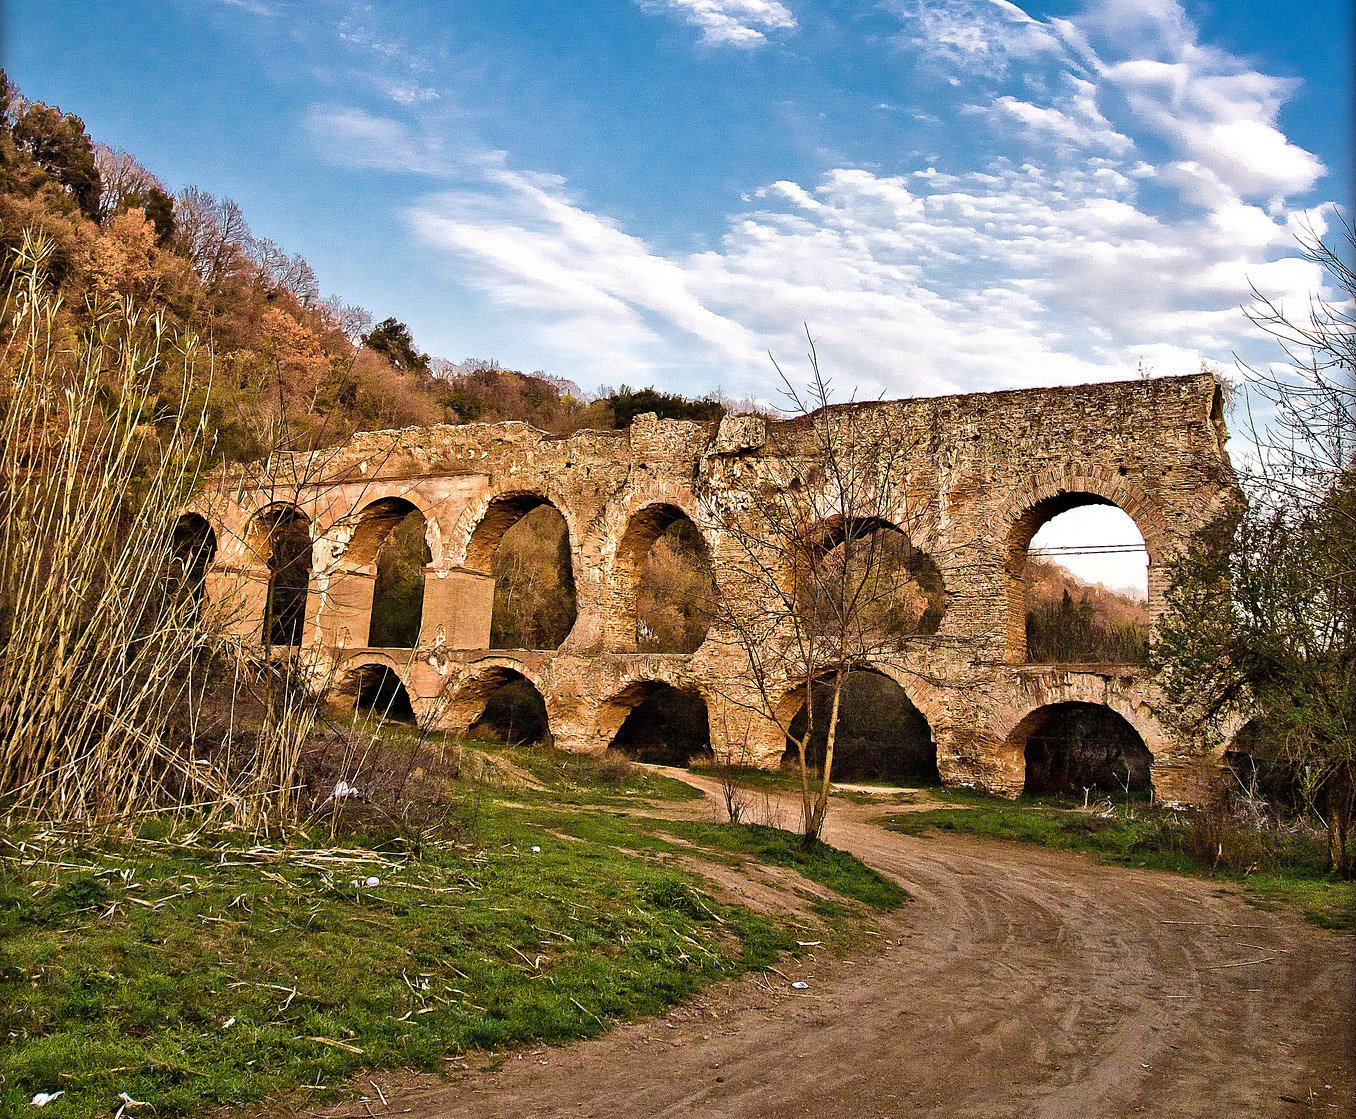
(1019, 983)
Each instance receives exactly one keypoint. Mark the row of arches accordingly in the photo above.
(665, 584)
(882, 736)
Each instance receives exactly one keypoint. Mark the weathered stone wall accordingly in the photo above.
(983, 473)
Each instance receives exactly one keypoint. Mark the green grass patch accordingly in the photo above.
(194, 972)
(837, 870)
(1276, 867)
(584, 779)
(192, 975)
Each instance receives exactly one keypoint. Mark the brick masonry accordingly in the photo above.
(985, 470)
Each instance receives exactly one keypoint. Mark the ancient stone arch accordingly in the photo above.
(987, 468)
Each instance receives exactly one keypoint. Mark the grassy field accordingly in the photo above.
(1286, 868)
(190, 971)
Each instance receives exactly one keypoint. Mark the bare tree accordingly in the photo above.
(820, 575)
(122, 179)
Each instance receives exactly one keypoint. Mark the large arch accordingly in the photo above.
(1071, 746)
(523, 540)
(663, 582)
(898, 587)
(1035, 515)
(882, 734)
(504, 703)
(279, 536)
(655, 721)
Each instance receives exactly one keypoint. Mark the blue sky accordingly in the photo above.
(956, 195)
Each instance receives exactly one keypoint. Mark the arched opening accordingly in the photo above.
(1083, 584)
(287, 544)
(524, 542)
(881, 735)
(512, 710)
(664, 725)
(866, 576)
(382, 694)
(1260, 769)
(1070, 747)
(390, 535)
(193, 547)
(664, 561)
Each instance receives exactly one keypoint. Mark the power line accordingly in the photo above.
(1087, 550)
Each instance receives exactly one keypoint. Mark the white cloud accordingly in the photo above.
(729, 23)
(1057, 265)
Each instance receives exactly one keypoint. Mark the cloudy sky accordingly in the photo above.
(954, 194)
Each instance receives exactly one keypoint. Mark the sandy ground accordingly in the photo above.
(1019, 982)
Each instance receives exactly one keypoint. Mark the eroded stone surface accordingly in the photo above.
(985, 471)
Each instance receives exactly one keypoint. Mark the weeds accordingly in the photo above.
(1275, 862)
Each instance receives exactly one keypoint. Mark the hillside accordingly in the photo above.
(288, 368)
(1070, 621)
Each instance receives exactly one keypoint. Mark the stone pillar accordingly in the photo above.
(236, 601)
(1188, 781)
(743, 737)
(458, 605)
(343, 611)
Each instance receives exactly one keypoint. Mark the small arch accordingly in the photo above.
(1072, 746)
(281, 536)
(193, 548)
(523, 540)
(895, 588)
(1096, 614)
(663, 571)
(662, 724)
(380, 692)
(881, 735)
(509, 705)
(389, 535)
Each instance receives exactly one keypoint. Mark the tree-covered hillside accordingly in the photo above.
(288, 369)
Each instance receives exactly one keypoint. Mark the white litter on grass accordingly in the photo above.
(808, 943)
(800, 985)
(536, 850)
(42, 1099)
(343, 790)
(127, 1101)
(226, 1025)
(373, 882)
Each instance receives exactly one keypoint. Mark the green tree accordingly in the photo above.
(58, 143)
(393, 340)
(1261, 613)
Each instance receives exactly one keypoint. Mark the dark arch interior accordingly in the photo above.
(666, 727)
(896, 588)
(675, 590)
(289, 568)
(1261, 770)
(514, 712)
(881, 734)
(1075, 746)
(398, 591)
(381, 693)
(534, 595)
(193, 547)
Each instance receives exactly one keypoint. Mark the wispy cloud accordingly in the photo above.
(728, 23)
(1146, 189)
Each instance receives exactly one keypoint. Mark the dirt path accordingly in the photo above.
(1019, 983)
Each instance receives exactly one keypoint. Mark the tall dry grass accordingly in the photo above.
(107, 668)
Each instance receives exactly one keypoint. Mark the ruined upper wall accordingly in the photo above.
(1136, 420)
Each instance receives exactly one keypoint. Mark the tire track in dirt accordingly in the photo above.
(1020, 982)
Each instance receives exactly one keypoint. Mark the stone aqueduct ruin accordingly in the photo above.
(988, 470)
